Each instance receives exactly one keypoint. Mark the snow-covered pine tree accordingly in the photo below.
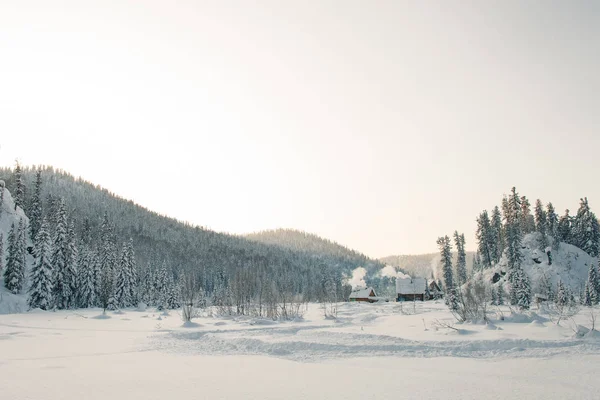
(593, 282)
(476, 263)
(586, 229)
(500, 295)
(527, 220)
(61, 285)
(86, 279)
(14, 274)
(461, 260)
(72, 267)
(484, 236)
(40, 291)
(1, 199)
(445, 248)
(564, 228)
(522, 289)
(514, 236)
(497, 236)
(126, 281)
(562, 298)
(1, 252)
(35, 209)
(587, 296)
(107, 265)
(552, 226)
(541, 223)
(19, 187)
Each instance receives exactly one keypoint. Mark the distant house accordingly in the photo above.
(435, 291)
(409, 289)
(367, 294)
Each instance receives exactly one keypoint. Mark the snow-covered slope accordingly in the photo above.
(10, 303)
(570, 264)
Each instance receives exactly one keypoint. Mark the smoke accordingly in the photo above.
(390, 271)
(358, 278)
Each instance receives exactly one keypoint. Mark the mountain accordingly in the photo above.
(421, 265)
(220, 260)
(316, 247)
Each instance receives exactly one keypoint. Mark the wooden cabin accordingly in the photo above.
(410, 289)
(364, 295)
(435, 291)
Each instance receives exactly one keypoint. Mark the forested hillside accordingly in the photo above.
(422, 265)
(526, 253)
(103, 242)
(316, 247)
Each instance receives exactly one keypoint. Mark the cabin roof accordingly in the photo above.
(411, 285)
(363, 293)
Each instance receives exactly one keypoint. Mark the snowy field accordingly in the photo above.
(372, 351)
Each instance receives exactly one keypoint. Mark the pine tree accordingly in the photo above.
(527, 220)
(446, 258)
(107, 265)
(60, 260)
(552, 226)
(497, 236)
(14, 275)
(35, 209)
(562, 298)
(461, 261)
(1, 199)
(477, 267)
(126, 281)
(593, 282)
(522, 289)
(72, 259)
(484, 236)
(586, 230)
(541, 223)
(19, 187)
(513, 224)
(494, 296)
(587, 296)
(564, 228)
(40, 292)
(500, 295)
(1, 252)
(86, 279)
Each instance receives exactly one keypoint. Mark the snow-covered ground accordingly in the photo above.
(371, 351)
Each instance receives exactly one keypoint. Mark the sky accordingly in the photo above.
(380, 125)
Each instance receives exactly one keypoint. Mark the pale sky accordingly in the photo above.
(378, 124)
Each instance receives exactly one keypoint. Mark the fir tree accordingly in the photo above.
(562, 298)
(19, 187)
(522, 289)
(527, 220)
(494, 297)
(513, 224)
(552, 226)
(87, 279)
(126, 281)
(14, 275)
(1, 253)
(40, 292)
(461, 260)
(564, 228)
(586, 230)
(593, 282)
(446, 258)
(107, 265)
(541, 223)
(1, 200)
(35, 209)
(62, 292)
(497, 236)
(500, 295)
(72, 259)
(484, 236)
(587, 296)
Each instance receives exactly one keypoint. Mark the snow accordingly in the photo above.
(369, 351)
(411, 286)
(362, 293)
(569, 265)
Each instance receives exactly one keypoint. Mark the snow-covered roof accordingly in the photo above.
(411, 285)
(362, 293)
